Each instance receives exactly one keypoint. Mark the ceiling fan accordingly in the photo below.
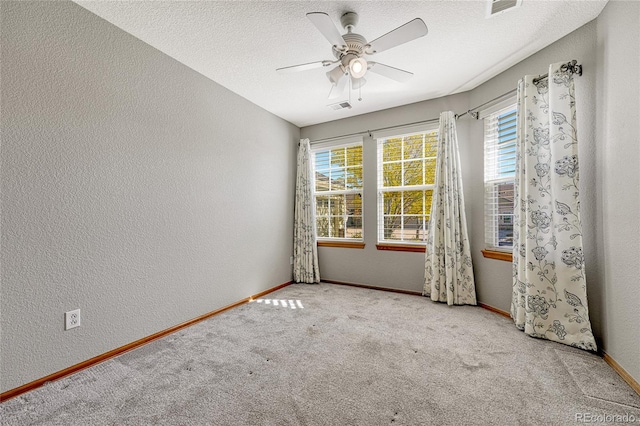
(350, 50)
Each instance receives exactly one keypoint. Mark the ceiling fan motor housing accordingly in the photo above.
(355, 45)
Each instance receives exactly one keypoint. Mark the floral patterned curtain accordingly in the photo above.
(549, 288)
(448, 267)
(305, 251)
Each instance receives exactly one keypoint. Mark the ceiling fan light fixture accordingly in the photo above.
(357, 67)
(335, 75)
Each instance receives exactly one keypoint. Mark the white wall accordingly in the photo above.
(401, 270)
(132, 187)
(618, 185)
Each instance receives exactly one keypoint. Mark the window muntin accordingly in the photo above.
(338, 186)
(406, 178)
(499, 175)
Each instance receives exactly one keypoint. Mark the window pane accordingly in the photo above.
(413, 228)
(413, 147)
(392, 203)
(354, 204)
(393, 227)
(431, 145)
(392, 149)
(322, 180)
(354, 177)
(322, 206)
(322, 226)
(337, 227)
(505, 198)
(505, 231)
(392, 174)
(337, 181)
(354, 156)
(413, 202)
(337, 205)
(430, 171)
(322, 160)
(413, 172)
(354, 227)
(338, 158)
(505, 215)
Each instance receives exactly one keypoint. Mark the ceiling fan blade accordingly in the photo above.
(304, 67)
(390, 72)
(337, 90)
(325, 25)
(403, 34)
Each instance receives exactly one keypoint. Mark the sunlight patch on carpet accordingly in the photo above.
(291, 304)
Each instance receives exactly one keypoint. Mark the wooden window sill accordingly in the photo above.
(401, 247)
(342, 244)
(498, 255)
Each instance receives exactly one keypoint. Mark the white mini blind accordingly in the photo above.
(499, 174)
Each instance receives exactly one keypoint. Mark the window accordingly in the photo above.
(499, 174)
(406, 178)
(337, 172)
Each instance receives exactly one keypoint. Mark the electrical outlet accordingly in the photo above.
(291, 260)
(72, 319)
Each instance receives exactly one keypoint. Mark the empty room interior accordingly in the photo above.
(310, 212)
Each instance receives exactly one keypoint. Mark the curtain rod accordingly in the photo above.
(475, 114)
(572, 67)
(369, 132)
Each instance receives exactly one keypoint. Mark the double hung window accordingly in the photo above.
(338, 187)
(406, 178)
(499, 174)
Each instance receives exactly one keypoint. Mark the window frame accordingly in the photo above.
(401, 245)
(494, 178)
(328, 146)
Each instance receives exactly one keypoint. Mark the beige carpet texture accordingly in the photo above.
(336, 355)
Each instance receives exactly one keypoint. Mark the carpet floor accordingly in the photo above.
(336, 355)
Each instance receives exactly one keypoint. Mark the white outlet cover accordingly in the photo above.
(72, 319)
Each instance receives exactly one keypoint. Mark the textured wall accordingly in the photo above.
(403, 270)
(132, 187)
(618, 151)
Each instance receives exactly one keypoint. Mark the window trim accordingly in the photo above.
(498, 255)
(341, 243)
(416, 248)
(357, 243)
(398, 245)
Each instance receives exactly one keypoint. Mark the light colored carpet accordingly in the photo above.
(344, 355)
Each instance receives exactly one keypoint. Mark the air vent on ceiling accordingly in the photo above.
(497, 7)
(341, 105)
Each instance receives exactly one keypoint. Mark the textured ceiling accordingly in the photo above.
(239, 44)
